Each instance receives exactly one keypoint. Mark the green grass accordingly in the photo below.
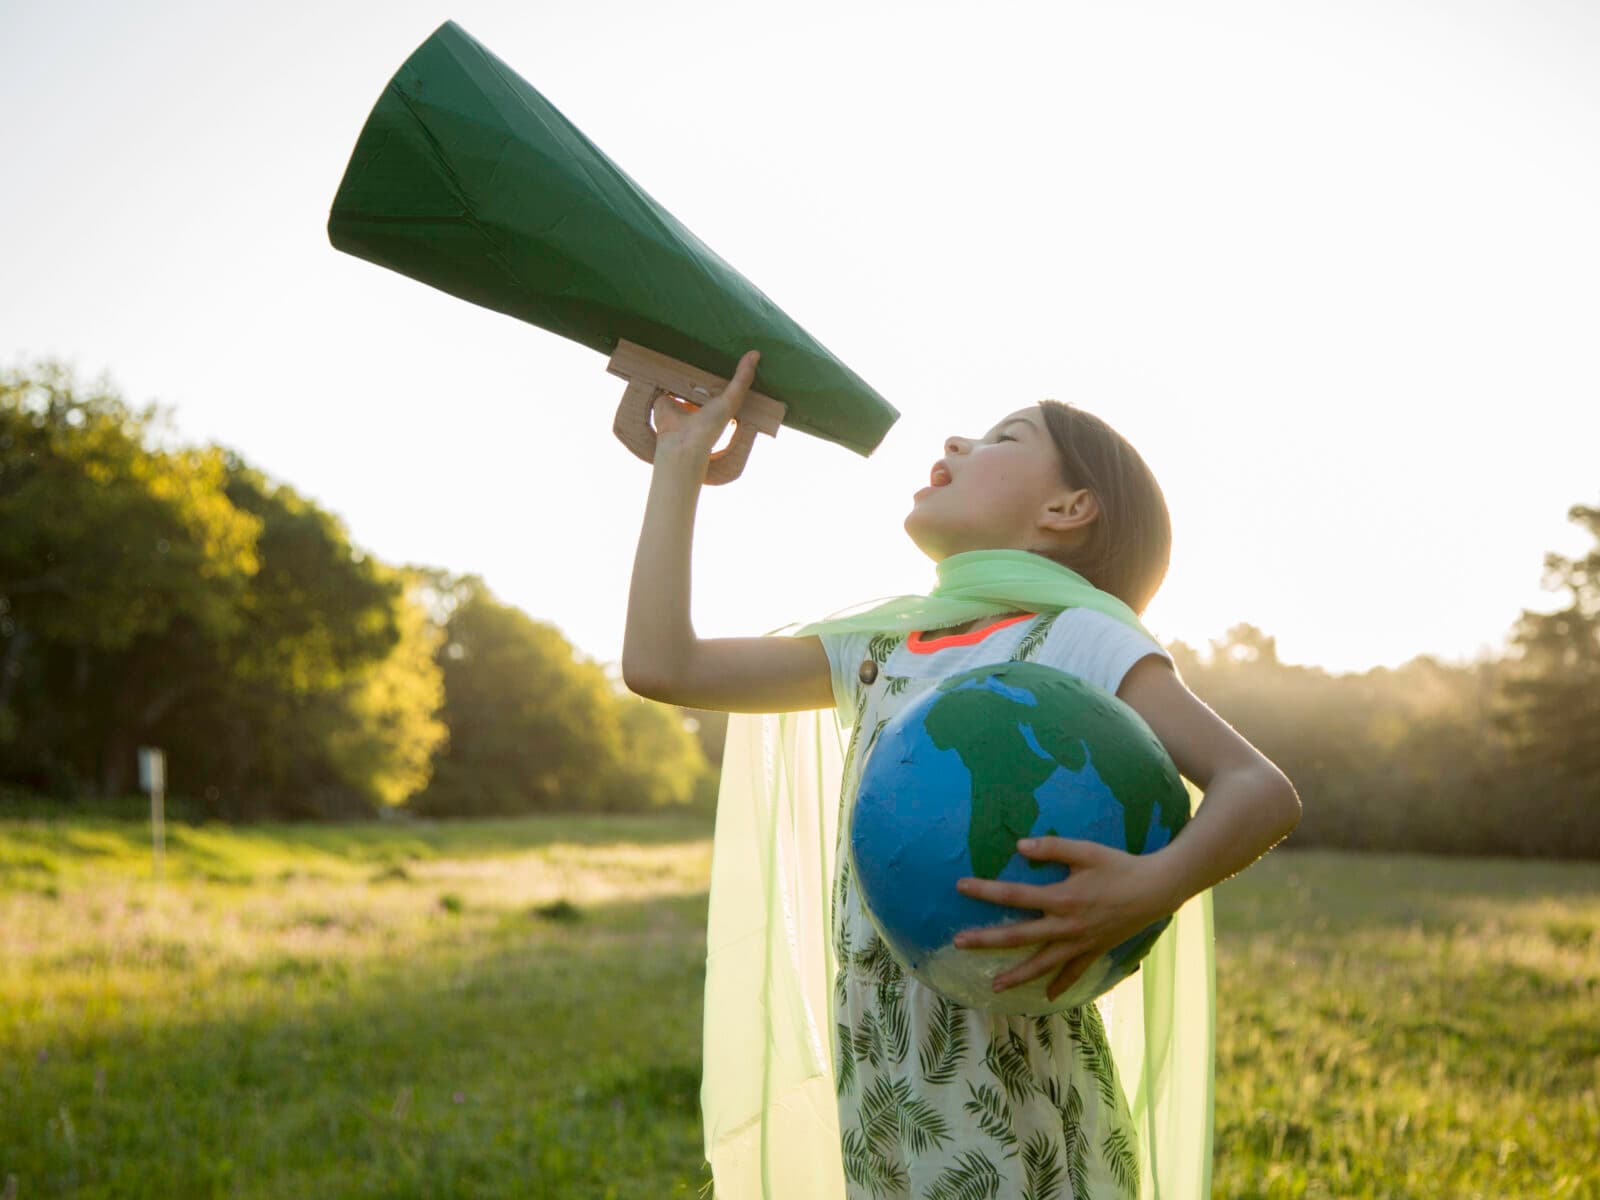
(1395, 1025)
(514, 1011)
(513, 1008)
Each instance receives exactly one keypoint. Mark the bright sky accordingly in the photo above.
(1334, 268)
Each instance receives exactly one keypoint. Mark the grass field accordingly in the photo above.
(513, 1009)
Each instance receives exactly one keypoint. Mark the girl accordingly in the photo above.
(1050, 534)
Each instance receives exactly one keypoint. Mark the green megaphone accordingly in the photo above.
(466, 178)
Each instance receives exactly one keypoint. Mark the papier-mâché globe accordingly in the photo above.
(993, 754)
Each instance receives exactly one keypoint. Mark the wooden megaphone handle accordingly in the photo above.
(649, 374)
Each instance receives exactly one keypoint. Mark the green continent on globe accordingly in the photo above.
(984, 726)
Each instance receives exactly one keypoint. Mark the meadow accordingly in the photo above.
(512, 1008)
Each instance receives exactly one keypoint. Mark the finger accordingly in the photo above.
(1019, 933)
(1064, 850)
(1020, 895)
(1071, 971)
(1049, 958)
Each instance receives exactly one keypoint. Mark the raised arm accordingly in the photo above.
(661, 657)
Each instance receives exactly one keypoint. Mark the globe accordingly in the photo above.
(985, 757)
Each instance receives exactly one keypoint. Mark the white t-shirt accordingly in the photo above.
(1080, 641)
(936, 1099)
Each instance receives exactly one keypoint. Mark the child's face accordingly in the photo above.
(1004, 491)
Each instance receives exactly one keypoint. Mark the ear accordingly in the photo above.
(1070, 510)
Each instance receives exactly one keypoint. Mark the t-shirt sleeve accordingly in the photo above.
(1096, 647)
(845, 652)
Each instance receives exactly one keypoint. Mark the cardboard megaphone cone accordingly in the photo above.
(466, 178)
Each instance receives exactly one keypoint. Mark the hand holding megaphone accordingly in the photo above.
(658, 387)
(690, 430)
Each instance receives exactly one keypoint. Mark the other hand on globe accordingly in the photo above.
(1110, 896)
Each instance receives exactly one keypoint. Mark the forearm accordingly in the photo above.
(1246, 812)
(659, 634)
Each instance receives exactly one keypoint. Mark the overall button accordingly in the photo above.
(868, 671)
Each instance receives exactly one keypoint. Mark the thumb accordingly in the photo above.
(730, 399)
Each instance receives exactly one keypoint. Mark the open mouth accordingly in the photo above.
(938, 477)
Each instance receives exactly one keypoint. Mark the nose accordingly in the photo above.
(957, 445)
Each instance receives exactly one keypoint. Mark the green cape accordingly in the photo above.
(768, 1097)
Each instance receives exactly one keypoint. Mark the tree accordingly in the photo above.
(1551, 697)
(532, 726)
(660, 762)
(325, 704)
(107, 549)
(1244, 643)
(536, 727)
(710, 729)
(382, 727)
(1402, 758)
(181, 598)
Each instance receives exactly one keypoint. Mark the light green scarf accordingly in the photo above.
(768, 1096)
(978, 583)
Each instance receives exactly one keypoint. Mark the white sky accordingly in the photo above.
(1334, 268)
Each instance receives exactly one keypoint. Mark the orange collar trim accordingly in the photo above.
(917, 645)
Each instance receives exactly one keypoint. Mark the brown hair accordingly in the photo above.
(1130, 542)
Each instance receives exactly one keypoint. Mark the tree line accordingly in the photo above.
(177, 596)
(1496, 756)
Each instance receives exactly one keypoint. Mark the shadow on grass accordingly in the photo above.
(553, 1055)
